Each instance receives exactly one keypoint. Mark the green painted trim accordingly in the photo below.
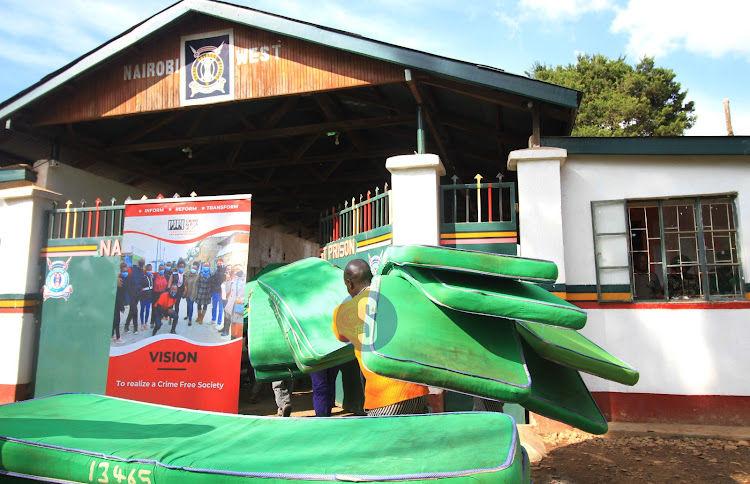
(376, 232)
(21, 297)
(80, 241)
(462, 227)
(679, 145)
(556, 287)
(584, 288)
(17, 173)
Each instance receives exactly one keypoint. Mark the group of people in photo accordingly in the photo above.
(153, 296)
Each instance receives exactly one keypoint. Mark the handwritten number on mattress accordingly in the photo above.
(144, 475)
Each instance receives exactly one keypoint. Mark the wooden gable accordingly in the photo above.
(266, 64)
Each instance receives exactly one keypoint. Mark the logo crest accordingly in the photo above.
(207, 73)
(57, 284)
(207, 70)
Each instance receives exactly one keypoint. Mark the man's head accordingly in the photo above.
(357, 276)
(142, 263)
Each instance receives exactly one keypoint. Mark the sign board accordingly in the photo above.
(182, 360)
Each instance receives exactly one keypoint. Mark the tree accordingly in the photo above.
(622, 100)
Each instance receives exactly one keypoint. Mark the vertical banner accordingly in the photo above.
(180, 302)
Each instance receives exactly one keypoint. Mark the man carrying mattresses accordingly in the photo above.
(383, 396)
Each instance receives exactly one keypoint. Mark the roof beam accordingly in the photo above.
(504, 99)
(151, 127)
(424, 98)
(264, 134)
(334, 112)
(286, 161)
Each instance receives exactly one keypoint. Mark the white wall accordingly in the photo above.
(677, 351)
(598, 177)
(75, 184)
(268, 246)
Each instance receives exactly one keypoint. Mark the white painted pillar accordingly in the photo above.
(415, 205)
(22, 207)
(540, 204)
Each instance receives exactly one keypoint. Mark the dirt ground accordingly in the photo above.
(577, 458)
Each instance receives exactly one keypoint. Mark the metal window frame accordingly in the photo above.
(626, 233)
(697, 202)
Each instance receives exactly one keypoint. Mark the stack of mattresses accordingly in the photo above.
(304, 296)
(91, 438)
(475, 323)
(269, 354)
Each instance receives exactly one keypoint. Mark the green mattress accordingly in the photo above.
(267, 346)
(305, 295)
(493, 296)
(249, 288)
(559, 393)
(91, 438)
(569, 348)
(470, 261)
(407, 337)
(277, 374)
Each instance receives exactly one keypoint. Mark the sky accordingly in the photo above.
(706, 44)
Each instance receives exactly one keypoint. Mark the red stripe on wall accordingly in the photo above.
(686, 409)
(24, 309)
(494, 240)
(14, 393)
(664, 305)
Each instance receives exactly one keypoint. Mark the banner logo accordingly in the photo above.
(208, 74)
(57, 284)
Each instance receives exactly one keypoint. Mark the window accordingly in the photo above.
(675, 249)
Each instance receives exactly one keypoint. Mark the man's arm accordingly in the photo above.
(335, 328)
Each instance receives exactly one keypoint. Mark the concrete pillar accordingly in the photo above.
(22, 206)
(540, 205)
(415, 206)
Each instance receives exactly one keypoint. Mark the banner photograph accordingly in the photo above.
(177, 327)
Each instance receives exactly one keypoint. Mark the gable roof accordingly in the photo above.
(345, 41)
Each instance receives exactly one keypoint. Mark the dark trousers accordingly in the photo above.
(159, 313)
(146, 303)
(324, 390)
(352, 382)
(116, 324)
(176, 308)
(132, 314)
(154, 297)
